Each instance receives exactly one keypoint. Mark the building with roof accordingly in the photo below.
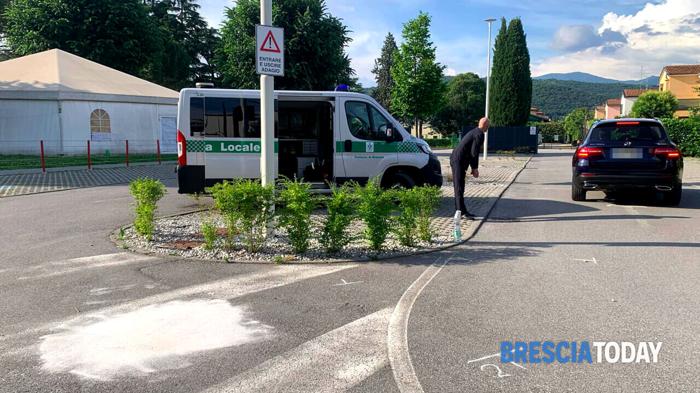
(629, 96)
(613, 108)
(66, 100)
(599, 113)
(683, 81)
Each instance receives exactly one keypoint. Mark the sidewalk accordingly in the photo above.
(23, 182)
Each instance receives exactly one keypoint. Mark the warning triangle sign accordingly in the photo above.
(270, 44)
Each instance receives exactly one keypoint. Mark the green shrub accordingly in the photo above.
(375, 206)
(295, 215)
(549, 129)
(428, 202)
(440, 143)
(146, 192)
(209, 233)
(406, 223)
(340, 207)
(247, 208)
(685, 133)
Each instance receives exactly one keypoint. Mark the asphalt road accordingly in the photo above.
(79, 314)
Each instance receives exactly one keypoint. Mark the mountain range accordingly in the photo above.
(590, 78)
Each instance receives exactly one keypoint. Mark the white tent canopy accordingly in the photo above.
(67, 100)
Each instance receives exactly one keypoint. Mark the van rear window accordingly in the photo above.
(627, 131)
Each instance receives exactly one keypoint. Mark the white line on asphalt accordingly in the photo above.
(333, 362)
(67, 266)
(397, 337)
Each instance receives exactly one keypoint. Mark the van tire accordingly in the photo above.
(401, 180)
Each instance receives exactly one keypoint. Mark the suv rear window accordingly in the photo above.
(627, 131)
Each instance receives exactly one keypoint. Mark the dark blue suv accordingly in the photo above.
(628, 154)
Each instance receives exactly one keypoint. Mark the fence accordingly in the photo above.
(518, 139)
(53, 153)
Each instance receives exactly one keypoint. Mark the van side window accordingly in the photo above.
(366, 122)
(231, 117)
(196, 115)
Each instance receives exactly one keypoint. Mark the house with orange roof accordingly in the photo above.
(683, 81)
(613, 108)
(629, 96)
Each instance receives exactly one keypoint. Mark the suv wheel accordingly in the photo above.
(401, 180)
(577, 192)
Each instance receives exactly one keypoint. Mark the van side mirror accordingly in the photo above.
(389, 133)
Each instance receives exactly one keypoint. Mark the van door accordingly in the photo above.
(366, 149)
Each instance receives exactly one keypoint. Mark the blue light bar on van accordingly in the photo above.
(342, 87)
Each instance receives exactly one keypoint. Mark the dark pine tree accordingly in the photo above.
(522, 80)
(382, 72)
(500, 88)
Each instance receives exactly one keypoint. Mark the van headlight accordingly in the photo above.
(425, 148)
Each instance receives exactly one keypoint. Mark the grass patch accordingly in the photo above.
(25, 161)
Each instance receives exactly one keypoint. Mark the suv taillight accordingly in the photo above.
(181, 149)
(670, 153)
(586, 152)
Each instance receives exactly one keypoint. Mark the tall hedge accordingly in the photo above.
(549, 129)
(685, 133)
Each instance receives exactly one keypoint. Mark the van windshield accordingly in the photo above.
(627, 132)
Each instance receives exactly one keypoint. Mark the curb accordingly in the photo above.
(473, 229)
(38, 171)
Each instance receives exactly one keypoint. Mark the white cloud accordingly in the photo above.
(575, 37)
(657, 35)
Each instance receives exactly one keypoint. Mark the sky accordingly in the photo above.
(619, 39)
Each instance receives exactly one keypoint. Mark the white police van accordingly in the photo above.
(320, 137)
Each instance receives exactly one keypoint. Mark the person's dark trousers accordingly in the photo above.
(458, 178)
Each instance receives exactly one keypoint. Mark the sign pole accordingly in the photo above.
(267, 111)
(488, 85)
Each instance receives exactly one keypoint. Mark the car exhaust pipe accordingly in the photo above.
(664, 188)
(589, 186)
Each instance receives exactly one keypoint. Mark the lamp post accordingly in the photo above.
(267, 111)
(488, 83)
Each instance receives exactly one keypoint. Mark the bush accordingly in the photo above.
(295, 216)
(146, 192)
(375, 206)
(341, 207)
(685, 133)
(428, 201)
(407, 221)
(549, 129)
(440, 143)
(209, 234)
(247, 207)
(655, 104)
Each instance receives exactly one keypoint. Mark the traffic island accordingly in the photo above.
(182, 235)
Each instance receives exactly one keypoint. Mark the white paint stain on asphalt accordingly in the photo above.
(149, 339)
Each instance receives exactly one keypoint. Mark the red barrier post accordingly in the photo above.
(127, 152)
(43, 161)
(89, 158)
(158, 150)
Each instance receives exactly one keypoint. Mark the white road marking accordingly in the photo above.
(333, 362)
(493, 356)
(397, 337)
(595, 262)
(343, 283)
(68, 266)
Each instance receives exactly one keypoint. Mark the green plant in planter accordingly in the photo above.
(375, 206)
(428, 202)
(247, 207)
(340, 213)
(295, 215)
(406, 222)
(146, 192)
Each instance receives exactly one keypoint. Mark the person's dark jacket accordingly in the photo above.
(467, 151)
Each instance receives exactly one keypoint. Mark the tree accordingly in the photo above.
(382, 72)
(463, 104)
(188, 44)
(575, 123)
(511, 84)
(655, 104)
(314, 52)
(115, 33)
(418, 83)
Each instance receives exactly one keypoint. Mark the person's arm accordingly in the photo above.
(477, 145)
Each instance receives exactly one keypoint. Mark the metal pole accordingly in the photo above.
(267, 109)
(488, 85)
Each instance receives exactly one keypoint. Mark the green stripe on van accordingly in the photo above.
(378, 147)
(251, 146)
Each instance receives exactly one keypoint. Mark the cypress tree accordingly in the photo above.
(382, 72)
(511, 83)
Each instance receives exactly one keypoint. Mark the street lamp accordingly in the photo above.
(488, 80)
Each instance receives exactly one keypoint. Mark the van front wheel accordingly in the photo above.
(401, 180)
